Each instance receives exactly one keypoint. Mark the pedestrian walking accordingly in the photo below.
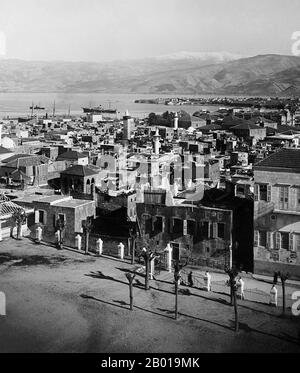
(241, 287)
(273, 296)
(190, 279)
(275, 278)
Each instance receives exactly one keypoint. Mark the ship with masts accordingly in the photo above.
(99, 110)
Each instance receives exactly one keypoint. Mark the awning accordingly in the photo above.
(291, 228)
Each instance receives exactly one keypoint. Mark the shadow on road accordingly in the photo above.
(208, 321)
(153, 312)
(99, 275)
(85, 296)
(286, 338)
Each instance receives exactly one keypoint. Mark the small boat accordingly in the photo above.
(98, 110)
(36, 107)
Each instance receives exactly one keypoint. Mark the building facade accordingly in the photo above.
(277, 213)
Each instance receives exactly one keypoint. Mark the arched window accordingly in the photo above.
(88, 187)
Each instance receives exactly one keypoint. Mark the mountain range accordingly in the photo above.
(180, 73)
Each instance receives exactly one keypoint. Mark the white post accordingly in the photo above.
(21, 231)
(121, 250)
(168, 251)
(273, 296)
(207, 281)
(151, 269)
(99, 244)
(2, 304)
(78, 242)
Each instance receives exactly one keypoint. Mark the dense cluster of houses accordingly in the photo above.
(223, 190)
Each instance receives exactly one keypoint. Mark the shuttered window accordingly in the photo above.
(291, 242)
(269, 193)
(256, 192)
(278, 240)
(256, 234)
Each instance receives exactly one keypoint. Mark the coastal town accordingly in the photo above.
(149, 184)
(205, 201)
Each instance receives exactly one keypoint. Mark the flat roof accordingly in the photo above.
(73, 203)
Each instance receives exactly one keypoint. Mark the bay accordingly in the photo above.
(18, 104)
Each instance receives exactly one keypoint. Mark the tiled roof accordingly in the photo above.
(79, 170)
(25, 160)
(4, 150)
(284, 158)
(247, 126)
(71, 154)
(7, 207)
(231, 121)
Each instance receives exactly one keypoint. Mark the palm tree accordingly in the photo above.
(18, 219)
(87, 228)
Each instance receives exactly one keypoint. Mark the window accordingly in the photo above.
(158, 224)
(283, 197)
(42, 217)
(298, 196)
(205, 229)
(262, 238)
(284, 240)
(175, 247)
(297, 242)
(262, 192)
(177, 226)
(221, 230)
(191, 225)
(148, 224)
(61, 217)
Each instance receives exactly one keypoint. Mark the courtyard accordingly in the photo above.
(64, 301)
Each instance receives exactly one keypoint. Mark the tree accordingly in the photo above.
(130, 278)
(87, 228)
(133, 235)
(283, 278)
(148, 256)
(18, 219)
(232, 273)
(60, 227)
(177, 268)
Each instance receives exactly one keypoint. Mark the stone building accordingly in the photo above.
(277, 213)
(48, 209)
(79, 179)
(203, 230)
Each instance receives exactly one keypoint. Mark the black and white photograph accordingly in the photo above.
(150, 180)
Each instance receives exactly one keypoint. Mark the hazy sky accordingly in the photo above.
(99, 30)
